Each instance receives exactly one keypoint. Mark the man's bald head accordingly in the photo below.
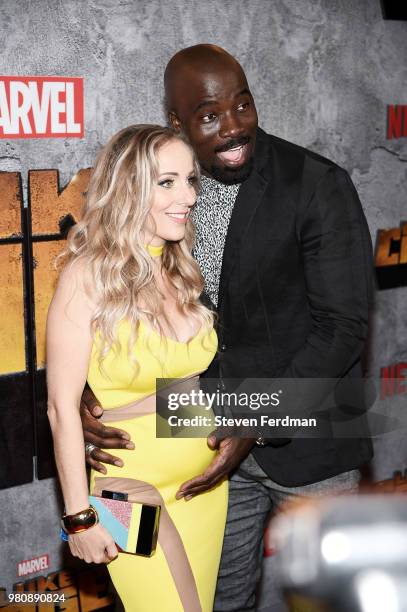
(209, 100)
(193, 61)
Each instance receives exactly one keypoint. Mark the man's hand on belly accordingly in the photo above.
(231, 453)
(94, 432)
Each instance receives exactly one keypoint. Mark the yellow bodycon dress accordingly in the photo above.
(182, 575)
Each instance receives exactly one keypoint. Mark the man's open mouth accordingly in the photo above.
(235, 156)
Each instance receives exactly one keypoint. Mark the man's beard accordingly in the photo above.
(231, 176)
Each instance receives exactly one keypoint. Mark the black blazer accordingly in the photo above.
(294, 293)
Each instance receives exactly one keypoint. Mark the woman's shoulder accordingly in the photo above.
(77, 281)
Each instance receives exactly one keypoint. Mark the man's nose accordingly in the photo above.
(230, 126)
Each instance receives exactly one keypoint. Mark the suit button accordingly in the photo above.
(223, 348)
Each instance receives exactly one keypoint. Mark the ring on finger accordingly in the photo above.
(89, 447)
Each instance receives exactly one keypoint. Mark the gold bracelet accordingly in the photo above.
(81, 521)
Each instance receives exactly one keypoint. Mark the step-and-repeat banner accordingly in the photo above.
(327, 78)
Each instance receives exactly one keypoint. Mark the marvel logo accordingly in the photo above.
(31, 566)
(41, 107)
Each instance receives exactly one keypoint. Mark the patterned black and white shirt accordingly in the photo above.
(211, 216)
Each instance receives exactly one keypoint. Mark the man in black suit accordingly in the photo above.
(286, 255)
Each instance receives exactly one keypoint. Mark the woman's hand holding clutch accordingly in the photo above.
(95, 545)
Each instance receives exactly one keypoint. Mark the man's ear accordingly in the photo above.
(174, 122)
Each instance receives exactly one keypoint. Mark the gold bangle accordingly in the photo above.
(81, 521)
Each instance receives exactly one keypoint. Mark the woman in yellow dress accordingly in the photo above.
(126, 312)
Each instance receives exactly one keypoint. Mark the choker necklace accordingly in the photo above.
(155, 251)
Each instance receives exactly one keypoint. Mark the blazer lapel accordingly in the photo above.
(247, 202)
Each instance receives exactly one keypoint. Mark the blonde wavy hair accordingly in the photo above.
(108, 240)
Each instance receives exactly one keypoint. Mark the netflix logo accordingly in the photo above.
(393, 380)
(41, 107)
(396, 121)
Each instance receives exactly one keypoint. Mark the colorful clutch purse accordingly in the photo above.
(132, 525)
